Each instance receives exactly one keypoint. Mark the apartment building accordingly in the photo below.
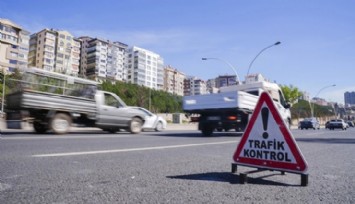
(103, 59)
(211, 86)
(145, 68)
(173, 81)
(14, 43)
(225, 80)
(56, 51)
(194, 86)
(349, 98)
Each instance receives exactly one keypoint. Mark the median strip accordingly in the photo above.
(128, 150)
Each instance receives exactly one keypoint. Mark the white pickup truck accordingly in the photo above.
(54, 102)
(232, 107)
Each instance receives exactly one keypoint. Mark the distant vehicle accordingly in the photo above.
(327, 125)
(312, 123)
(232, 107)
(151, 120)
(336, 124)
(350, 123)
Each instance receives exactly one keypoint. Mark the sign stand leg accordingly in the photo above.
(243, 177)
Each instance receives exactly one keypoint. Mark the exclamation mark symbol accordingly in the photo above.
(265, 117)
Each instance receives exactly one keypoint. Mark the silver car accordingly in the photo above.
(151, 120)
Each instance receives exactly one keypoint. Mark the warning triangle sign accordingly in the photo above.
(267, 142)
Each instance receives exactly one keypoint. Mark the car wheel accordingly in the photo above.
(135, 126)
(159, 127)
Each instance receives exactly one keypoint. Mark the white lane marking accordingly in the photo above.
(63, 137)
(317, 133)
(129, 150)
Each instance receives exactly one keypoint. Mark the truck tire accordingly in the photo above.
(135, 126)
(39, 128)
(207, 131)
(60, 124)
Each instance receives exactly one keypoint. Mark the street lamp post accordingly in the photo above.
(312, 107)
(150, 98)
(229, 64)
(251, 63)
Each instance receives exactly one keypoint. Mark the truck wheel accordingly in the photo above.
(135, 126)
(39, 128)
(207, 131)
(61, 123)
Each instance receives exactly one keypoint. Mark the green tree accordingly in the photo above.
(135, 95)
(291, 93)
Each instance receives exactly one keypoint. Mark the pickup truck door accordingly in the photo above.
(113, 112)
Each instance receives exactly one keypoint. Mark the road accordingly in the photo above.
(174, 166)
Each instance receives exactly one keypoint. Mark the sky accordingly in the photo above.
(317, 37)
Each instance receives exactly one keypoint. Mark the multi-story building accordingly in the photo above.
(304, 96)
(211, 86)
(145, 68)
(225, 80)
(319, 101)
(56, 51)
(349, 98)
(14, 42)
(173, 81)
(194, 86)
(103, 59)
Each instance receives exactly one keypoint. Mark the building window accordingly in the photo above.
(13, 61)
(13, 54)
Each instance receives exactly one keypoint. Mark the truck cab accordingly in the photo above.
(274, 90)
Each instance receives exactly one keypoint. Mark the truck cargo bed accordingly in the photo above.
(38, 100)
(224, 100)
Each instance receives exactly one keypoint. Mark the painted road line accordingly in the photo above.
(63, 137)
(129, 150)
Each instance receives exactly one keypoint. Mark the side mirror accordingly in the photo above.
(287, 105)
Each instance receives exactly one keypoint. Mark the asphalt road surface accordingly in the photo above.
(177, 166)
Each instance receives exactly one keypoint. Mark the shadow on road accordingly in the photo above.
(327, 140)
(231, 178)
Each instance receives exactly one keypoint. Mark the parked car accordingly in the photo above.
(327, 125)
(350, 123)
(336, 123)
(152, 121)
(312, 123)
